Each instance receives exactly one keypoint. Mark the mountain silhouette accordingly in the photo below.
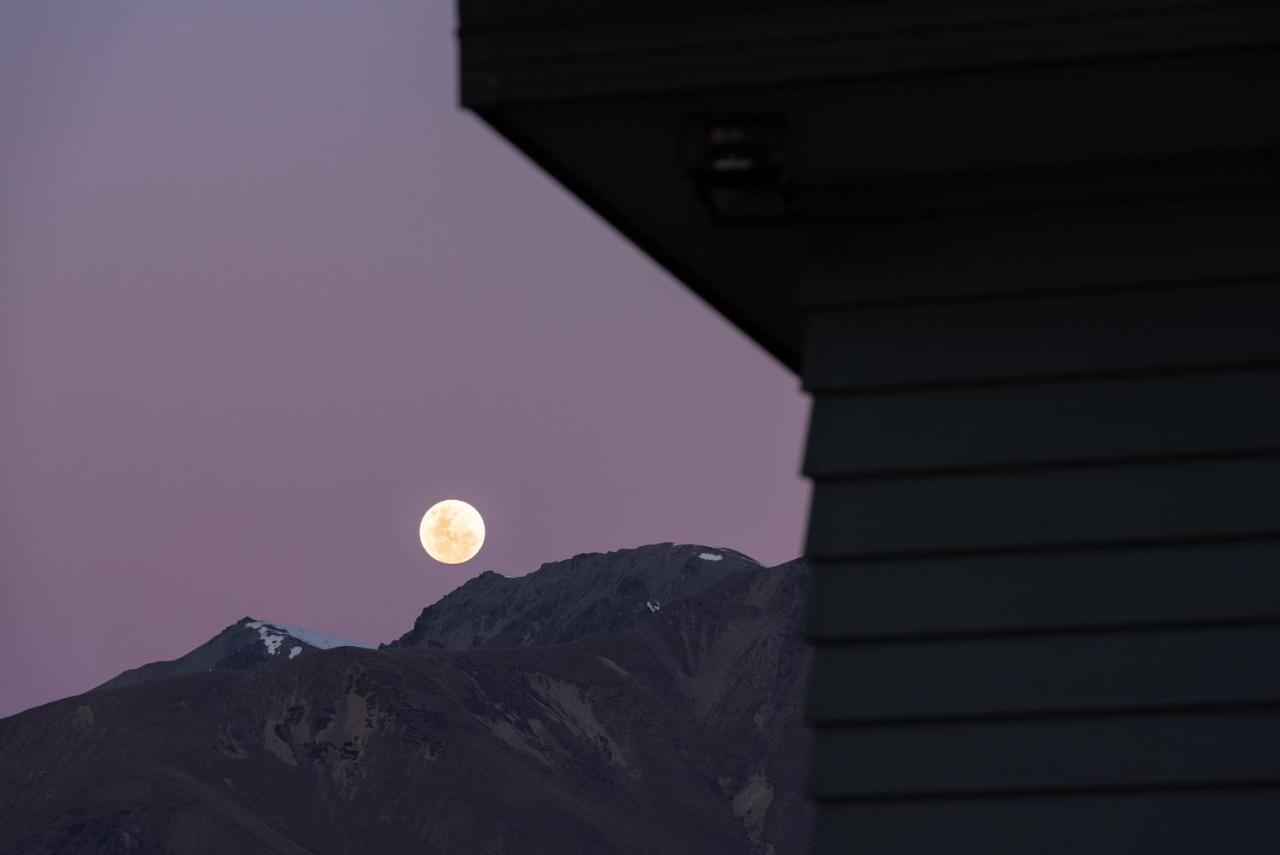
(639, 701)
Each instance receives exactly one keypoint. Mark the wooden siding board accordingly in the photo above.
(1236, 821)
(1018, 509)
(1045, 674)
(1178, 749)
(1050, 336)
(1074, 589)
(1189, 414)
(1095, 247)
(1045, 546)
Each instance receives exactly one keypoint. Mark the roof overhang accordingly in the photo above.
(736, 142)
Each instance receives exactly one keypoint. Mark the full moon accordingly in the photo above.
(451, 531)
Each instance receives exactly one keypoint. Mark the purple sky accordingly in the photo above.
(266, 294)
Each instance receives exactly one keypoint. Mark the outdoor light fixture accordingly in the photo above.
(738, 168)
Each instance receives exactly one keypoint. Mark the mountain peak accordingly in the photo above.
(591, 592)
(244, 644)
(663, 713)
(563, 600)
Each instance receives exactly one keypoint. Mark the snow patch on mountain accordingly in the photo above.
(710, 556)
(269, 638)
(267, 632)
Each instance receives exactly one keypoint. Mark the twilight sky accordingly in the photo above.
(266, 294)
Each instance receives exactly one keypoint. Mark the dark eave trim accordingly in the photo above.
(778, 349)
(645, 56)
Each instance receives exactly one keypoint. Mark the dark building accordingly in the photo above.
(1025, 257)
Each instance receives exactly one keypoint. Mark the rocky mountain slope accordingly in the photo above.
(247, 643)
(672, 729)
(558, 602)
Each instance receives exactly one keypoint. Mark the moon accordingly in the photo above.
(452, 531)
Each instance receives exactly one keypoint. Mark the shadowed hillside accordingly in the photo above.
(672, 729)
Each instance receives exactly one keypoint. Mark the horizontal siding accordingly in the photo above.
(1043, 337)
(1048, 754)
(1022, 675)
(1045, 541)
(872, 202)
(1021, 509)
(1235, 821)
(1198, 240)
(1222, 412)
(1076, 589)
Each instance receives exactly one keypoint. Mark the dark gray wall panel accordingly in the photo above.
(1046, 552)
(1158, 242)
(1187, 414)
(1197, 822)
(1163, 750)
(1019, 675)
(1095, 234)
(1182, 583)
(1204, 499)
(1048, 336)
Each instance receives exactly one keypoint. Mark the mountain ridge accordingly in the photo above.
(562, 600)
(247, 643)
(680, 732)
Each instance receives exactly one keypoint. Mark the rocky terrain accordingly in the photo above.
(247, 643)
(641, 701)
(594, 592)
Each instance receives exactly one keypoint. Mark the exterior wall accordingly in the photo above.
(1043, 342)
(1046, 531)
